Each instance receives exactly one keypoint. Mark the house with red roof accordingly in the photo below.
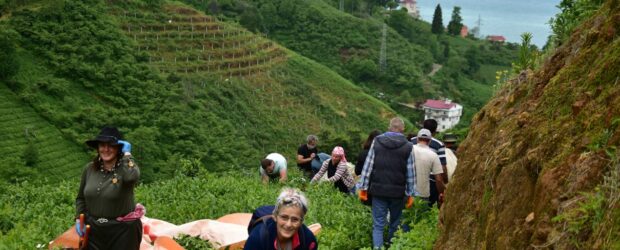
(464, 31)
(411, 6)
(496, 39)
(445, 112)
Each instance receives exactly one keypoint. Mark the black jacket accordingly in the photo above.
(389, 174)
(264, 235)
(361, 158)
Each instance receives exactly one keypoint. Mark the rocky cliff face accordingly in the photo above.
(539, 167)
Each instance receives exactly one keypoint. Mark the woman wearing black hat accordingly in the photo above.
(106, 195)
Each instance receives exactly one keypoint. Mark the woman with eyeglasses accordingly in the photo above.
(106, 195)
(285, 229)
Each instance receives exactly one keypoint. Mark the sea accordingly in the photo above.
(508, 18)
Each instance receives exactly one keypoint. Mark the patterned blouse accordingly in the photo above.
(342, 173)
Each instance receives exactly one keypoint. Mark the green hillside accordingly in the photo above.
(351, 45)
(31, 145)
(80, 67)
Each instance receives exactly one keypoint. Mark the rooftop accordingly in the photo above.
(439, 104)
(496, 38)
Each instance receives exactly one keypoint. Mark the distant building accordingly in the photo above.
(445, 112)
(496, 39)
(464, 31)
(411, 6)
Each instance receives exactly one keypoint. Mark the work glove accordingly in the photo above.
(409, 202)
(79, 228)
(441, 198)
(126, 146)
(363, 195)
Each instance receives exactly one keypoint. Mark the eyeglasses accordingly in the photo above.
(294, 220)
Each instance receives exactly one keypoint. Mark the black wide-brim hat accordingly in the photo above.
(107, 134)
(450, 138)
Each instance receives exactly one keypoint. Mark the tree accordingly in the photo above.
(8, 60)
(363, 70)
(474, 60)
(446, 52)
(213, 8)
(456, 23)
(392, 5)
(437, 26)
(572, 13)
(527, 54)
(31, 154)
(251, 19)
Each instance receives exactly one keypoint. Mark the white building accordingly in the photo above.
(445, 112)
(411, 6)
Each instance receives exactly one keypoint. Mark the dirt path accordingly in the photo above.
(436, 67)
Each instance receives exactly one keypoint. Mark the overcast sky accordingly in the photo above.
(509, 18)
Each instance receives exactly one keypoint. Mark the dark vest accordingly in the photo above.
(389, 174)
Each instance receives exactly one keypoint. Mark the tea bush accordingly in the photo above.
(38, 213)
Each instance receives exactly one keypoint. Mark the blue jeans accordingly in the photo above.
(380, 209)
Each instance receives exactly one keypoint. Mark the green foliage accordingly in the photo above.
(423, 232)
(190, 168)
(344, 43)
(456, 22)
(251, 19)
(191, 243)
(474, 60)
(80, 72)
(572, 13)
(592, 217)
(31, 154)
(346, 223)
(14, 170)
(363, 70)
(28, 139)
(584, 218)
(437, 24)
(8, 61)
(415, 31)
(527, 54)
(350, 46)
(501, 78)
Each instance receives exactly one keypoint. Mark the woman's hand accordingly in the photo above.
(126, 146)
(79, 229)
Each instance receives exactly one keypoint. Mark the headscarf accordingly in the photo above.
(339, 151)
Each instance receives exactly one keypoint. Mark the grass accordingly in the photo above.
(487, 72)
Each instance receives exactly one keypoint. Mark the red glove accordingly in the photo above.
(409, 202)
(363, 195)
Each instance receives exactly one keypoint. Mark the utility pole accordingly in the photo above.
(382, 52)
(478, 25)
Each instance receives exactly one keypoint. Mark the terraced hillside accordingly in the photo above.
(30, 145)
(180, 39)
(85, 65)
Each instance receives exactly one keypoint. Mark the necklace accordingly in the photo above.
(113, 170)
